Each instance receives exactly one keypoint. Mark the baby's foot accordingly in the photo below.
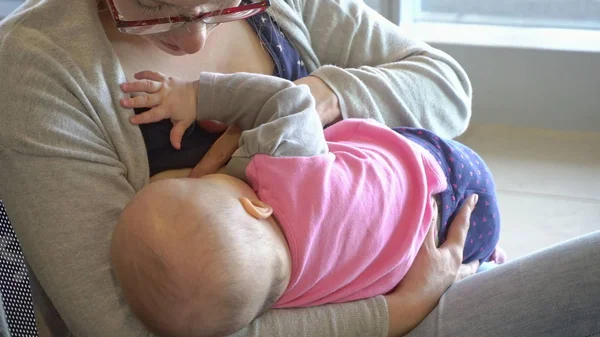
(498, 256)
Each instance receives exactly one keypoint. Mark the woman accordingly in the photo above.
(70, 160)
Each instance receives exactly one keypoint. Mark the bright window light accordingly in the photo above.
(577, 14)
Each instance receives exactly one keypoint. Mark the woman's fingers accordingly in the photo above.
(430, 239)
(434, 270)
(213, 126)
(150, 75)
(146, 86)
(434, 221)
(457, 234)
(153, 115)
(219, 154)
(466, 270)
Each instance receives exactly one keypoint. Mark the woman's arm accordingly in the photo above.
(326, 101)
(63, 211)
(64, 178)
(354, 319)
(376, 71)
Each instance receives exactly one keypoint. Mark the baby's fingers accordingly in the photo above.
(143, 101)
(153, 115)
(177, 133)
(146, 86)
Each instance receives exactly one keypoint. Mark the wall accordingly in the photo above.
(536, 88)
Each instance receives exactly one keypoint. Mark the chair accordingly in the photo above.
(15, 288)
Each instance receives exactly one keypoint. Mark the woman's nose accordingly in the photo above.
(191, 37)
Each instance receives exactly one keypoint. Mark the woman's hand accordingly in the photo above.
(432, 273)
(220, 152)
(327, 103)
(168, 97)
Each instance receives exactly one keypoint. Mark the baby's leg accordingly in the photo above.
(467, 174)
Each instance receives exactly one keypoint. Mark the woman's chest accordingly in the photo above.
(232, 47)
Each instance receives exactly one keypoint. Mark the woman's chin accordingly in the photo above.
(169, 48)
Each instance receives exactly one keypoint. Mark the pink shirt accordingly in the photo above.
(354, 218)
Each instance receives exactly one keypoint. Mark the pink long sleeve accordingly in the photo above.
(355, 217)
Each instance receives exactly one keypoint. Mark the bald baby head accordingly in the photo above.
(191, 261)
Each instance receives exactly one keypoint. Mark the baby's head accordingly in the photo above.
(199, 257)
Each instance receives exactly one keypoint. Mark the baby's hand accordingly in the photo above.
(168, 97)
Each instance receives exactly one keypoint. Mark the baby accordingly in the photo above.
(302, 217)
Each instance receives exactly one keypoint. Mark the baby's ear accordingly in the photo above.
(257, 208)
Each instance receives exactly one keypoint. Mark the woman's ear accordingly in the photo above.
(256, 208)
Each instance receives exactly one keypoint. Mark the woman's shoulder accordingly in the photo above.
(54, 37)
(67, 33)
(52, 17)
(55, 70)
(320, 8)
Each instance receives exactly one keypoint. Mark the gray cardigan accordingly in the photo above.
(70, 160)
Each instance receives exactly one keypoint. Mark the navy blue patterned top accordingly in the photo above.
(196, 141)
(288, 64)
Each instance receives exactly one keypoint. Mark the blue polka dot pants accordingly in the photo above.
(466, 174)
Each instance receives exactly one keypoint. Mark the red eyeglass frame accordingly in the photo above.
(263, 6)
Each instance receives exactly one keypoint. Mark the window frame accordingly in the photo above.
(404, 12)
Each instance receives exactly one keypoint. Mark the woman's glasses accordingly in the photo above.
(162, 24)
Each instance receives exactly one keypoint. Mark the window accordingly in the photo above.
(581, 14)
(571, 25)
(7, 6)
(375, 4)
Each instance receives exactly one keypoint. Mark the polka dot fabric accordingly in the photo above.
(466, 174)
(14, 282)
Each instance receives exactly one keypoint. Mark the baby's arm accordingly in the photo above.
(279, 117)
